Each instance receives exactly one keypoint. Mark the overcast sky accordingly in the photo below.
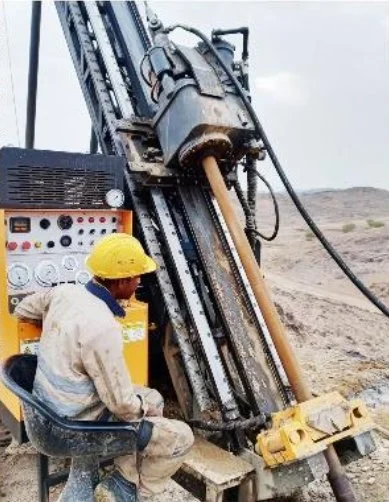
(319, 74)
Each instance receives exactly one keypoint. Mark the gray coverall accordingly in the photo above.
(81, 373)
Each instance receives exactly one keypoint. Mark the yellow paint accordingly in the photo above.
(135, 340)
(9, 340)
(13, 334)
(295, 432)
(126, 219)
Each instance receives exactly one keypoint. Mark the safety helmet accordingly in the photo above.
(119, 256)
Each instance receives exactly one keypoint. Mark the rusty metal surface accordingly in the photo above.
(260, 387)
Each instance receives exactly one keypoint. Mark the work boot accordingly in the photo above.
(115, 488)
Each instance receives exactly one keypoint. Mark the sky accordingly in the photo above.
(319, 75)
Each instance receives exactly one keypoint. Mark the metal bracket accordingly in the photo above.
(308, 428)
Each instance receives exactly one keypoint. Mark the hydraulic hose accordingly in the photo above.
(281, 173)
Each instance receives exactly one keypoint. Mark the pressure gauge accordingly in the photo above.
(114, 197)
(83, 277)
(46, 273)
(70, 263)
(18, 275)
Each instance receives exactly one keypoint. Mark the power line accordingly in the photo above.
(10, 70)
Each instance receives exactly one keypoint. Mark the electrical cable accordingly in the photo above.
(11, 73)
(293, 195)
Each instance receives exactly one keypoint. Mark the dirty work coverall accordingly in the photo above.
(81, 374)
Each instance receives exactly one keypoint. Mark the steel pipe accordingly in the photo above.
(340, 485)
(33, 73)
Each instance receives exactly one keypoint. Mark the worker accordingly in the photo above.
(81, 372)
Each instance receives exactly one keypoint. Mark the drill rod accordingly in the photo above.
(340, 485)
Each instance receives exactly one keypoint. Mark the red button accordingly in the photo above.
(12, 246)
(80, 219)
(26, 245)
(102, 219)
(91, 219)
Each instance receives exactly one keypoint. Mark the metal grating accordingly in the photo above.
(71, 188)
(48, 179)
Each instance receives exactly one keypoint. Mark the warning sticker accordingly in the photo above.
(29, 347)
(133, 332)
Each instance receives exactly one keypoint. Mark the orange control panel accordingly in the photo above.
(49, 247)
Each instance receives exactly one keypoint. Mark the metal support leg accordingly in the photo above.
(213, 495)
(93, 146)
(247, 490)
(43, 474)
(33, 73)
(82, 481)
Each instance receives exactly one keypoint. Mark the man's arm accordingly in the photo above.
(33, 307)
(103, 360)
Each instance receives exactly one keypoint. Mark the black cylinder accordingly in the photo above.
(33, 72)
(93, 145)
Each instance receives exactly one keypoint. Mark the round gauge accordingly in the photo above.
(114, 197)
(83, 277)
(46, 273)
(18, 275)
(70, 262)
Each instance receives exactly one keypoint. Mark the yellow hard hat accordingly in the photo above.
(118, 256)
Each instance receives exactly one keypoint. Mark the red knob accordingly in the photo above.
(12, 246)
(91, 219)
(80, 219)
(102, 219)
(26, 245)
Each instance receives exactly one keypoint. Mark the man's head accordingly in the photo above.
(117, 262)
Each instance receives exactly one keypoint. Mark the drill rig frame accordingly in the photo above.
(166, 108)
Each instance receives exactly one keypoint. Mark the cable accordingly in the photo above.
(293, 195)
(249, 423)
(141, 68)
(11, 72)
(275, 205)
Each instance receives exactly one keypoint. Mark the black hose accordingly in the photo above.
(293, 195)
(141, 70)
(249, 423)
(275, 205)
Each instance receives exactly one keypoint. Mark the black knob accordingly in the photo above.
(50, 244)
(65, 241)
(65, 222)
(44, 223)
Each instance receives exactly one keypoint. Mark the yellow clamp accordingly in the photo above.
(308, 428)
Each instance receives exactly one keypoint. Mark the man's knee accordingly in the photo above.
(185, 438)
(153, 399)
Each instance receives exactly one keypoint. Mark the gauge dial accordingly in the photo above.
(18, 275)
(46, 273)
(83, 277)
(70, 262)
(114, 197)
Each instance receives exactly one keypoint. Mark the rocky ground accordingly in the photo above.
(341, 339)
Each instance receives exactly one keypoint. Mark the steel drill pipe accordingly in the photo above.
(340, 485)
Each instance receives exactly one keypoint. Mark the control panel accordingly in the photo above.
(48, 247)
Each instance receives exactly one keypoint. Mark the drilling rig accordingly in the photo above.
(174, 123)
